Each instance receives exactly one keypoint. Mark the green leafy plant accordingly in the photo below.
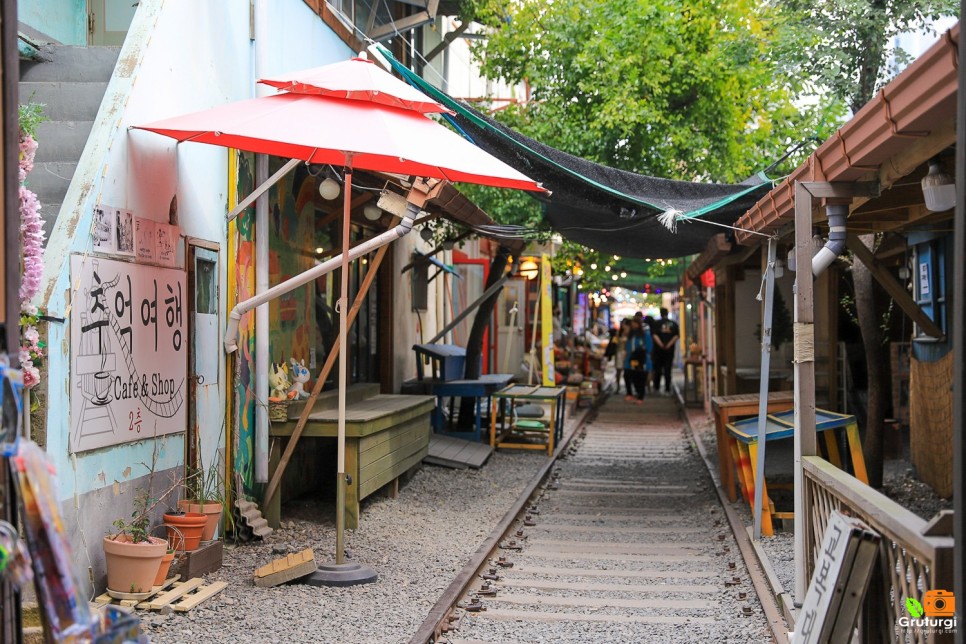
(31, 116)
(138, 528)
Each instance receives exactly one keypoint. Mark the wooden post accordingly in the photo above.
(804, 360)
(958, 336)
(729, 332)
(804, 365)
(330, 359)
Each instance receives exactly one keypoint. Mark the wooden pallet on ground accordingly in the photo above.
(172, 595)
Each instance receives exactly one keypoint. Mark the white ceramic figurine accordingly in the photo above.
(300, 374)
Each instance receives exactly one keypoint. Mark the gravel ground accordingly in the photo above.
(417, 543)
(677, 560)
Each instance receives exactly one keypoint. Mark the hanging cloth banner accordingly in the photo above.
(546, 321)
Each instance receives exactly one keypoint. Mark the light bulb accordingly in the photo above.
(529, 269)
(329, 189)
(938, 188)
(372, 212)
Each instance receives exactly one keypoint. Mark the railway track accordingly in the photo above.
(624, 540)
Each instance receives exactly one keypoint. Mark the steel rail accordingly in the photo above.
(429, 630)
(773, 615)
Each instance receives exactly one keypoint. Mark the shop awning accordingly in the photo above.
(610, 210)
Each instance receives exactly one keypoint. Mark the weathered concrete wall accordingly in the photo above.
(84, 518)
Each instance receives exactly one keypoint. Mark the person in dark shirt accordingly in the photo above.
(665, 339)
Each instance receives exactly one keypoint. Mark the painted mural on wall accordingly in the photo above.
(128, 352)
(244, 272)
(296, 209)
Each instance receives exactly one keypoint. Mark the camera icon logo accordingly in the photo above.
(939, 603)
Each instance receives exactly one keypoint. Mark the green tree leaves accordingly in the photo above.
(845, 46)
(660, 87)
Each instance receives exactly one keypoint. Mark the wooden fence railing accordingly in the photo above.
(910, 564)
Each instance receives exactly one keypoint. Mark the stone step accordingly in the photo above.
(65, 100)
(62, 140)
(50, 180)
(70, 63)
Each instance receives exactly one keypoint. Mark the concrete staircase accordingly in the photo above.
(70, 82)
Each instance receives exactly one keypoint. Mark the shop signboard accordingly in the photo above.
(128, 347)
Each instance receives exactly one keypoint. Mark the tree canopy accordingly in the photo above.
(847, 48)
(677, 90)
(660, 87)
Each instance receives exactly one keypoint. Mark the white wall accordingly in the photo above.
(179, 57)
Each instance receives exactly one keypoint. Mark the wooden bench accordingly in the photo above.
(386, 436)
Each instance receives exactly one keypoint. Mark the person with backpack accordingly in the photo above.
(638, 360)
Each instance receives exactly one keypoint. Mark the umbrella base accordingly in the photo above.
(347, 574)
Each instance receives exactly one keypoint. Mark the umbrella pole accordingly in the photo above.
(343, 370)
(342, 573)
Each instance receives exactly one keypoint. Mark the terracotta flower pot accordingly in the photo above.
(131, 567)
(184, 530)
(163, 569)
(212, 510)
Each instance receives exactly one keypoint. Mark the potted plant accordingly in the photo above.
(164, 567)
(205, 497)
(133, 556)
(204, 490)
(185, 529)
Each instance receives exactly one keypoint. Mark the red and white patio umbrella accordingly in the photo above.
(351, 114)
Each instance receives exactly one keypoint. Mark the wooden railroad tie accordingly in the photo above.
(171, 596)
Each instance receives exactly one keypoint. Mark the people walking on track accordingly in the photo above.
(638, 361)
(665, 340)
(620, 355)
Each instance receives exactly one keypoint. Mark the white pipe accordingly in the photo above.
(366, 247)
(275, 178)
(261, 263)
(262, 329)
(837, 234)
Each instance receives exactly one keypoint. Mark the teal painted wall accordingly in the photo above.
(63, 20)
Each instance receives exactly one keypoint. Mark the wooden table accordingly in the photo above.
(503, 400)
(483, 387)
(726, 408)
(386, 435)
(743, 445)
